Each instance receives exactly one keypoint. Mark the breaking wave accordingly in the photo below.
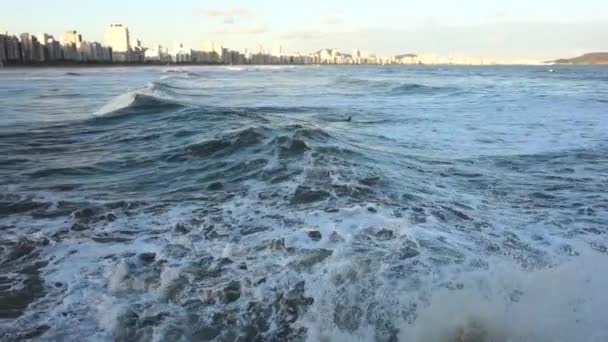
(136, 101)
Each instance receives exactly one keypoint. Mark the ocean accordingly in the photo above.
(304, 203)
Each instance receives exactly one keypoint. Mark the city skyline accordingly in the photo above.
(118, 47)
(500, 31)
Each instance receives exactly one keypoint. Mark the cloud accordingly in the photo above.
(216, 12)
(302, 35)
(332, 20)
(228, 15)
(253, 30)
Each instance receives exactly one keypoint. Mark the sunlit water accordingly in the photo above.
(304, 203)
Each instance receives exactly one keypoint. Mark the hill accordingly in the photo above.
(589, 58)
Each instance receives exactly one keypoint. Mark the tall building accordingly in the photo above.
(71, 37)
(117, 37)
(180, 53)
(95, 52)
(31, 49)
(11, 49)
(3, 57)
(214, 50)
(43, 38)
(53, 50)
(277, 50)
(26, 46)
(157, 53)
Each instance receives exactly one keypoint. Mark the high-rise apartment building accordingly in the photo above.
(213, 50)
(71, 37)
(117, 37)
(277, 50)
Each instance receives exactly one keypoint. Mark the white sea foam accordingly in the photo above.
(150, 93)
(117, 103)
(505, 303)
(501, 304)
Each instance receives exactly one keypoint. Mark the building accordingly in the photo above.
(53, 50)
(277, 50)
(328, 56)
(180, 54)
(116, 36)
(407, 58)
(137, 53)
(356, 55)
(3, 43)
(71, 37)
(95, 52)
(213, 50)
(26, 47)
(10, 49)
(70, 53)
(31, 49)
(157, 53)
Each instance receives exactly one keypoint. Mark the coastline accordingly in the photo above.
(69, 65)
(139, 65)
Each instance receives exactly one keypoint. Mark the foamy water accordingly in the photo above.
(242, 204)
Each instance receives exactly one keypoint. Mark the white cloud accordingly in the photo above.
(302, 35)
(332, 20)
(252, 30)
(228, 15)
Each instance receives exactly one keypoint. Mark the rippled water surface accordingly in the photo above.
(304, 204)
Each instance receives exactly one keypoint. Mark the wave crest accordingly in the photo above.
(135, 101)
(154, 96)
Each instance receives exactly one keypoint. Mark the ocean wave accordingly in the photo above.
(415, 89)
(181, 72)
(368, 83)
(389, 87)
(164, 87)
(234, 68)
(136, 101)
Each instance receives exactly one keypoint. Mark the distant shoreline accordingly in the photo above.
(139, 65)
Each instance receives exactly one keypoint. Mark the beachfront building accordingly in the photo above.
(50, 49)
(356, 56)
(95, 52)
(277, 50)
(2, 50)
(31, 49)
(213, 51)
(407, 58)
(332, 56)
(53, 51)
(180, 54)
(158, 54)
(12, 48)
(116, 36)
(71, 37)
(5, 41)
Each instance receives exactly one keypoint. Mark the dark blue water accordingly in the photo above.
(304, 204)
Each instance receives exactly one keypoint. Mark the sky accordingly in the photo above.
(504, 30)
